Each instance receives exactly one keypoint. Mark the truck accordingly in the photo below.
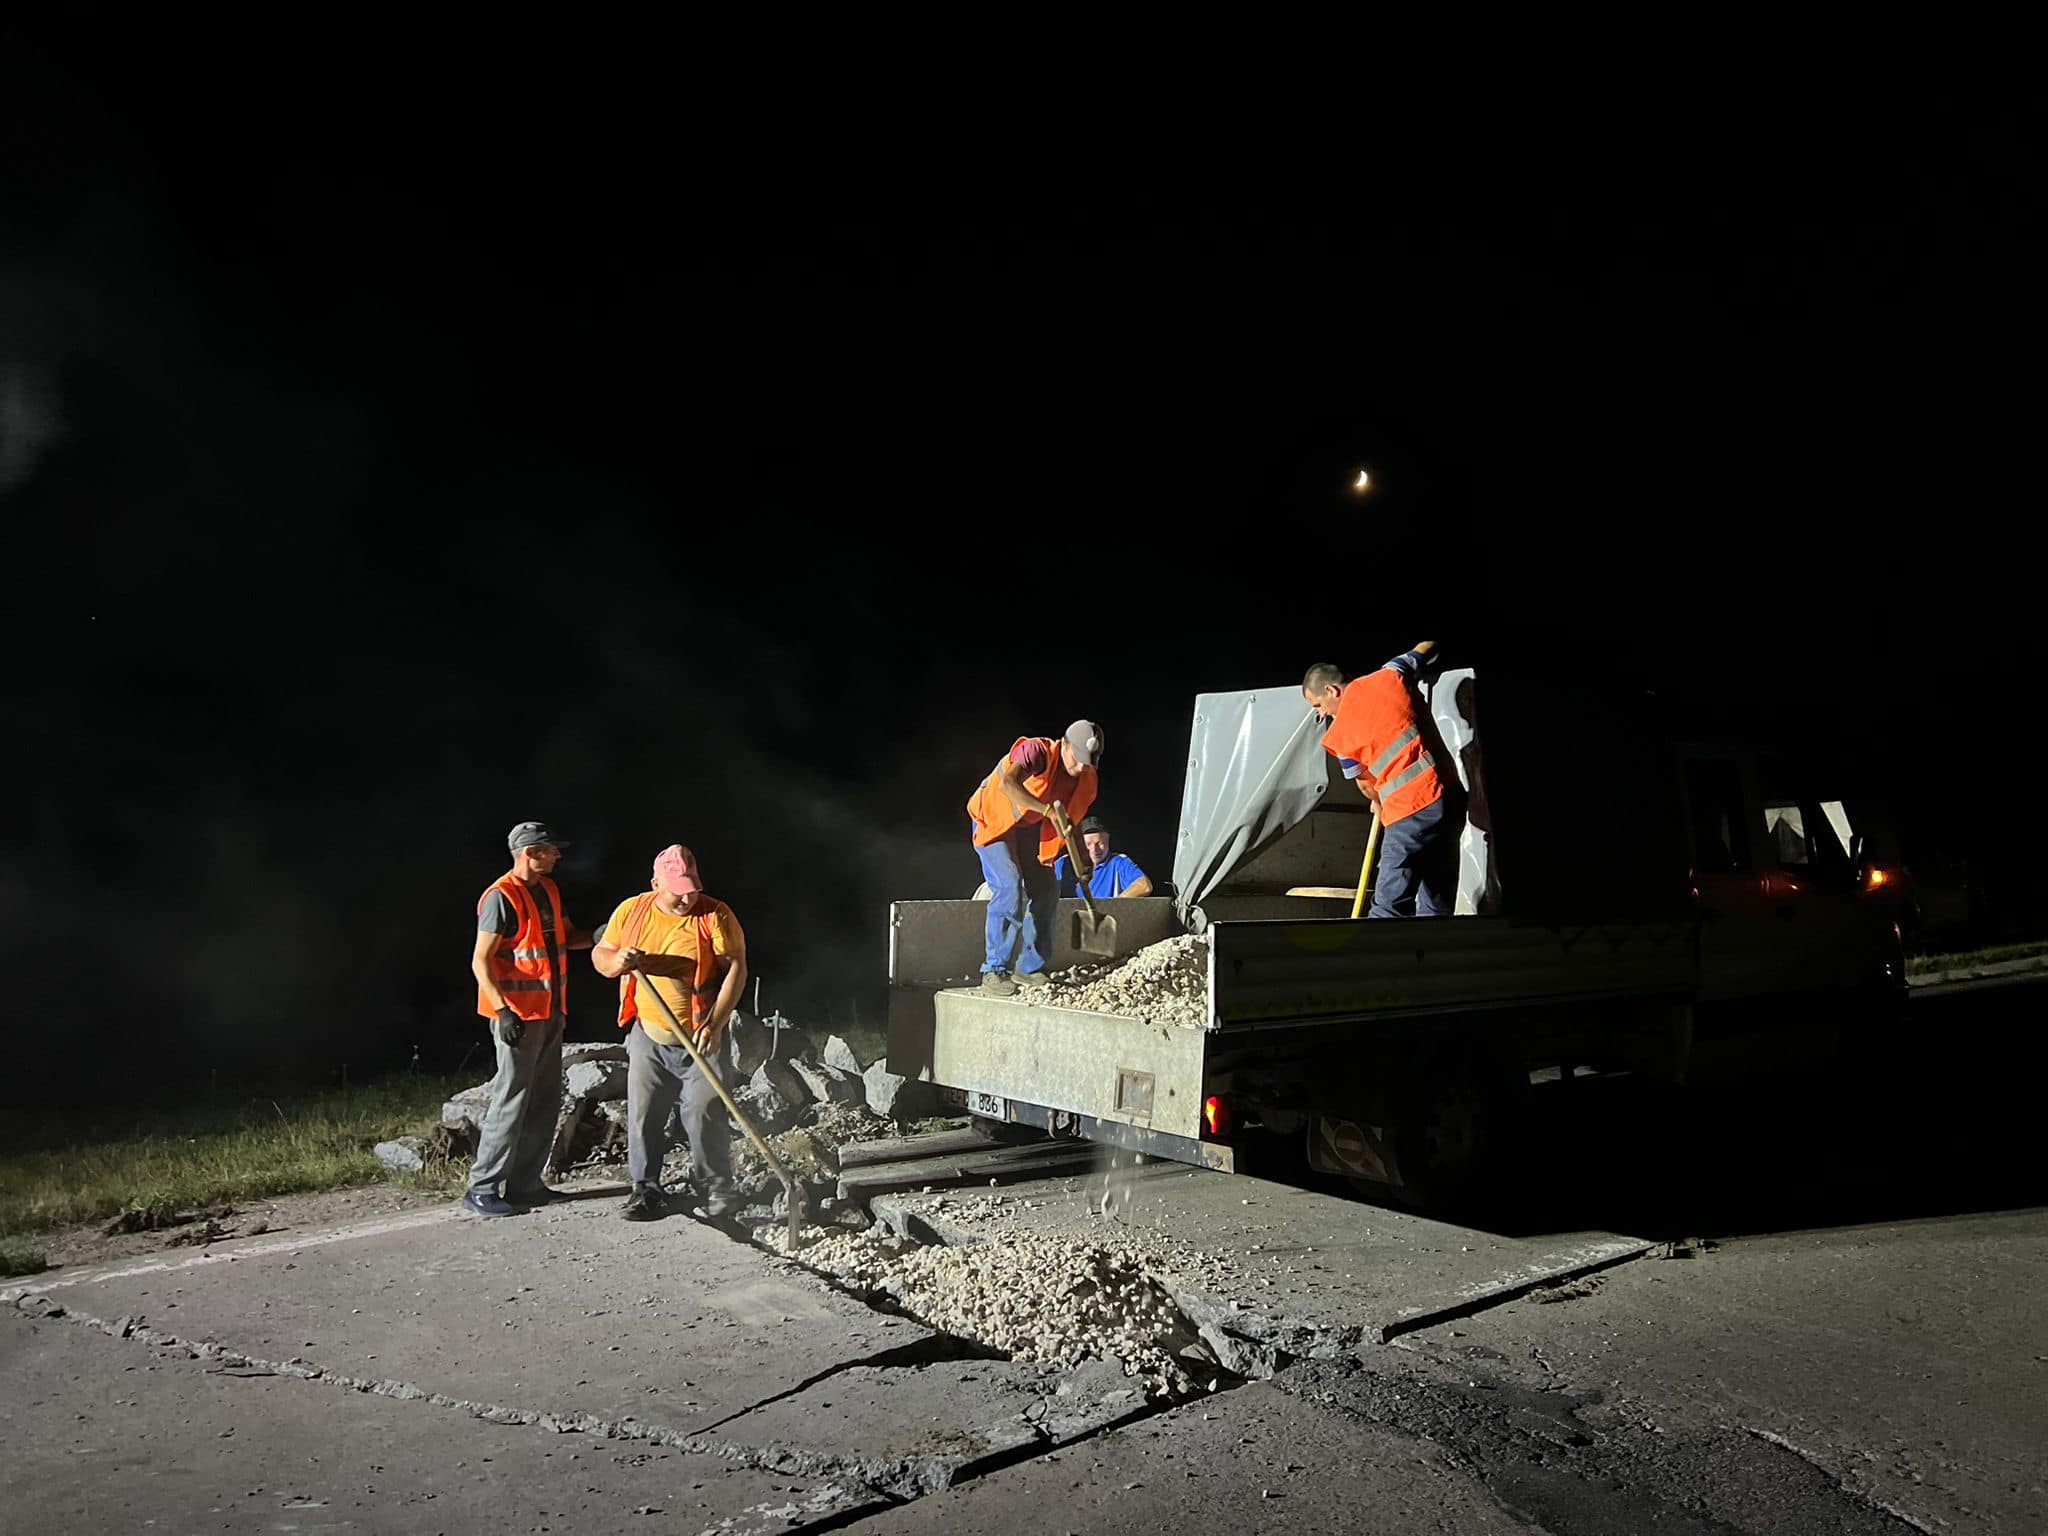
(1631, 898)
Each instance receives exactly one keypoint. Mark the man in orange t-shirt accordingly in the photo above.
(688, 946)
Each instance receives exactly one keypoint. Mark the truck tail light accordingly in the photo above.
(1216, 1115)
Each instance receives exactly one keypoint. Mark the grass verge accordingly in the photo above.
(218, 1157)
(1921, 965)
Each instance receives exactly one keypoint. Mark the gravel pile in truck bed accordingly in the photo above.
(1167, 983)
(1051, 1300)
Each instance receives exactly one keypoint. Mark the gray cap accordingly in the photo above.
(1085, 737)
(1093, 824)
(530, 833)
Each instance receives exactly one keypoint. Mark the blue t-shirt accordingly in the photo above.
(1116, 875)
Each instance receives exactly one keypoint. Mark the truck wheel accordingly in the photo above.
(1448, 1147)
(1008, 1132)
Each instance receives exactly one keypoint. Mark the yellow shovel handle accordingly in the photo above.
(1372, 848)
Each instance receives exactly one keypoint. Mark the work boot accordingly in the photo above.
(998, 984)
(1031, 981)
(488, 1202)
(646, 1203)
(540, 1194)
(723, 1199)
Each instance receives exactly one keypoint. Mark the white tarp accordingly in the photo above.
(1256, 768)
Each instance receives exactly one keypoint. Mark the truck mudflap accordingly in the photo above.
(1131, 1138)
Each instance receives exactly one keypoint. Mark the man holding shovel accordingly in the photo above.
(687, 946)
(1382, 743)
(1015, 815)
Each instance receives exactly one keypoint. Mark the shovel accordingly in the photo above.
(792, 1191)
(1094, 932)
(1372, 847)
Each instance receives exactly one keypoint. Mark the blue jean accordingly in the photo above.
(1418, 863)
(1026, 903)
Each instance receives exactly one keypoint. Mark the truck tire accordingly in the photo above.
(1007, 1132)
(1450, 1145)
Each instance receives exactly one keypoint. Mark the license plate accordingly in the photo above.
(989, 1104)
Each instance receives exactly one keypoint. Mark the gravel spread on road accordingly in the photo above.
(1057, 1301)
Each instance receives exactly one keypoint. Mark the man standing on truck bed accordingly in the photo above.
(1377, 735)
(1018, 842)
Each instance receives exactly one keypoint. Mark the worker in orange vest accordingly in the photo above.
(522, 935)
(1382, 742)
(677, 939)
(1017, 841)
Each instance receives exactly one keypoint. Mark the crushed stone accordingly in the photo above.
(1050, 1300)
(1164, 983)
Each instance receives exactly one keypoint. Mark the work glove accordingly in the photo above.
(508, 1027)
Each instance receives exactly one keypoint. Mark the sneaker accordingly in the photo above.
(721, 1203)
(540, 1195)
(488, 1203)
(646, 1203)
(1031, 981)
(998, 984)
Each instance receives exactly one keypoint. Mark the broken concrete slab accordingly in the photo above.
(407, 1154)
(899, 1098)
(471, 1105)
(983, 1165)
(1304, 1272)
(766, 1105)
(599, 1079)
(575, 1051)
(896, 1149)
(828, 1084)
(838, 1053)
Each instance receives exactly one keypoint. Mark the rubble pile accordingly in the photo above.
(807, 1099)
(1163, 983)
(1052, 1300)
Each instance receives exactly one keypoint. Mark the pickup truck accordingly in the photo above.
(1629, 899)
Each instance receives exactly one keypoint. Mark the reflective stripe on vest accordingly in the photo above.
(1376, 727)
(530, 985)
(995, 816)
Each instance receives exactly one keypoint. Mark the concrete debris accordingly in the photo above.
(899, 1098)
(469, 1106)
(828, 1084)
(839, 1054)
(1163, 983)
(595, 1080)
(1052, 1300)
(821, 1104)
(405, 1155)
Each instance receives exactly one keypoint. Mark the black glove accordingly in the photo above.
(508, 1027)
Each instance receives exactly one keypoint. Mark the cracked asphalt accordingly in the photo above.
(1867, 1354)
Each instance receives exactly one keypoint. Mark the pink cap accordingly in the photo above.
(676, 868)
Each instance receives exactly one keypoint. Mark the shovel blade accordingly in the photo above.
(1095, 933)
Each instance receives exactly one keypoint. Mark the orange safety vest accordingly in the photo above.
(703, 987)
(994, 815)
(519, 965)
(1375, 726)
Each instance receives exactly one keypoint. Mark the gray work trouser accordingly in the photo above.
(656, 1075)
(526, 1101)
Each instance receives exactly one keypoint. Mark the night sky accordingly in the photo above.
(737, 430)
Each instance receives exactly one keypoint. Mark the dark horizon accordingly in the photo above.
(406, 437)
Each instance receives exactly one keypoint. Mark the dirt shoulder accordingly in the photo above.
(80, 1247)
